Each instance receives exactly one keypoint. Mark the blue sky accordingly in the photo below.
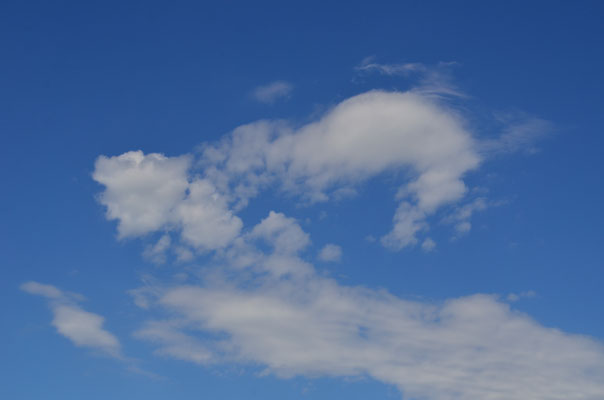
(307, 201)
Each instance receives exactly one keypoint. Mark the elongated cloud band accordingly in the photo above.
(83, 328)
(280, 314)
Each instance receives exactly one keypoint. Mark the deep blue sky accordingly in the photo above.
(81, 79)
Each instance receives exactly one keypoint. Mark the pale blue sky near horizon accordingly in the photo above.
(83, 80)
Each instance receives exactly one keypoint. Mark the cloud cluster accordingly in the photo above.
(432, 80)
(420, 140)
(147, 193)
(259, 301)
(82, 328)
(467, 348)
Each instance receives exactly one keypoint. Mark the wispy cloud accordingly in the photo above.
(82, 328)
(521, 133)
(272, 92)
(430, 80)
(330, 253)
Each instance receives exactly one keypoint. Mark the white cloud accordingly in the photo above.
(152, 192)
(272, 92)
(82, 328)
(157, 253)
(261, 302)
(520, 134)
(206, 221)
(141, 191)
(522, 295)
(460, 216)
(360, 138)
(467, 348)
(428, 245)
(330, 253)
(173, 342)
(283, 233)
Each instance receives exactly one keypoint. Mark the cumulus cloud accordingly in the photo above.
(283, 233)
(416, 138)
(141, 191)
(82, 328)
(467, 348)
(330, 253)
(207, 223)
(272, 92)
(258, 301)
(152, 192)
(362, 137)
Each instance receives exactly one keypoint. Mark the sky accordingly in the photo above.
(387, 200)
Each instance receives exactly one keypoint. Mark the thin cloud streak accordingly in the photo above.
(82, 328)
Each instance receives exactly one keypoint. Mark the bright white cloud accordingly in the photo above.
(260, 302)
(82, 328)
(330, 253)
(467, 348)
(148, 193)
(272, 92)
(360, 138)
(206, 221)
(283, 233)
(141, 191)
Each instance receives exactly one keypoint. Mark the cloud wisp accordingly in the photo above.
(272, 92)
(432, 80)
(82, 328)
